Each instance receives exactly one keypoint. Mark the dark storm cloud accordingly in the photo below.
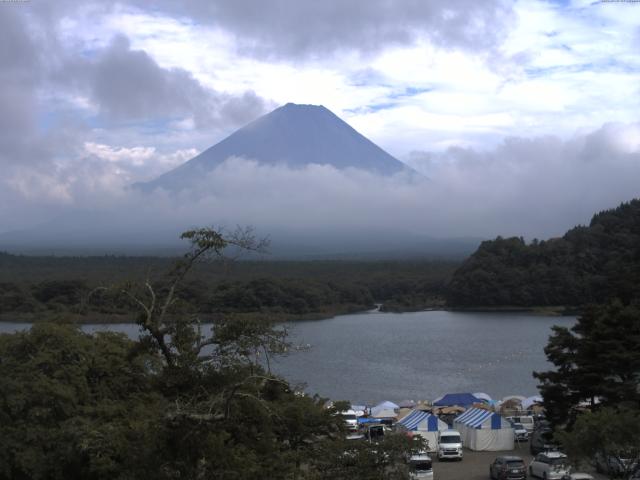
(19, 76)
(307, 28)
(41, 78)
(129, 85)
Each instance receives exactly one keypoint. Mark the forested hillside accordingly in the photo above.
(589, 264)
(39, 288)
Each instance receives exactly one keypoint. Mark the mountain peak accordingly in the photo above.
(294, 135)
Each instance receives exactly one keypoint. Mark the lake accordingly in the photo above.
(374, 356)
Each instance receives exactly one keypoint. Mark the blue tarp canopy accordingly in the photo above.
(411, 421)
(368, 420)
(460, 399)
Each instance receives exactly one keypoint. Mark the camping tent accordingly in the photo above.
(461, 399)
(424, 424)
(482, 430)
(527, 403)
(511, 405)
(484, 397)
(384, 410)
(359, 409)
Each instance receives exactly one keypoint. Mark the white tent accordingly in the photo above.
(359, 409)
(384, 410)
(528, 402)
(423, 424)
(483, 396)
(514, 398)
(482, 430)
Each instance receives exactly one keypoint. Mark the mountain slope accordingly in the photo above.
(588, 264)
(294, 135)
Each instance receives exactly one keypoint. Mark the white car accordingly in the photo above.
(578, 476)
(521, 433)
(420, 467)
(549, 466)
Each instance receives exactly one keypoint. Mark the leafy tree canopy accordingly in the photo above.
(596, 361)
(589, 264)
(184, 401)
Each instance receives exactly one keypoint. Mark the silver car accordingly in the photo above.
(549, 466)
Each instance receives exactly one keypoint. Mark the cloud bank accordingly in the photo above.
(533, 187)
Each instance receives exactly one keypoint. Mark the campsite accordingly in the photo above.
(485, 428)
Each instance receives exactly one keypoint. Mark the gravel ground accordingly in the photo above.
(475, 465)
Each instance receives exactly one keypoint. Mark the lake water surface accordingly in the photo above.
(374, 356)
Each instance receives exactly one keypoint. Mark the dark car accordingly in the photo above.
(541, 440)
(508, 468)
(616, 466)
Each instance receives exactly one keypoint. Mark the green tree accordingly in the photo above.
(74, 405)
(181, 402)
(606, 437)
(596, 360)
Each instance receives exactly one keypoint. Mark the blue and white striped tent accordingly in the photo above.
(484, 430)
(423, 424)
(420, 420)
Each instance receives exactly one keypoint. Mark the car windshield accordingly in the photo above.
(515, 463)
(518, 426)
(557, 461)
(348, 416)
(450, 439)
(421, 465)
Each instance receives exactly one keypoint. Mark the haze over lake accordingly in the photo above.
(374, 356)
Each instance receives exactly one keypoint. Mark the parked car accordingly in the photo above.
(614, 466)
(449, 445)
(374, 432)
(420, 466)
(578, 476)
(521, 433)
(541, 440)
(549, 466)
(527, 421)
(508, 467)
(350, 420)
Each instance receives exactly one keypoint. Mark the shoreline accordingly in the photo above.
(116, 319)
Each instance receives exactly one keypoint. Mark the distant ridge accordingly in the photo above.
(293, 135)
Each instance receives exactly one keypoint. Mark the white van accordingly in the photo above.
(449, 445)
(350, 420)
(526, 421)
(420, 467)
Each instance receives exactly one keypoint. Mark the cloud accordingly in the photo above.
(538, 187)
(129, 86)
(533, 187)
(309, 29)
(18, 77)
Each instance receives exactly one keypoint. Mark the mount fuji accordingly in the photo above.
(292, 135)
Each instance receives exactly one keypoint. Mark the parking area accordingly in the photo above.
(475, 465)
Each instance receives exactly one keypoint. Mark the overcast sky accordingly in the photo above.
(523, 115)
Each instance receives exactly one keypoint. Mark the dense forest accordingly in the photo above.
(89, 288)
(589, 264)
(180, 402)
